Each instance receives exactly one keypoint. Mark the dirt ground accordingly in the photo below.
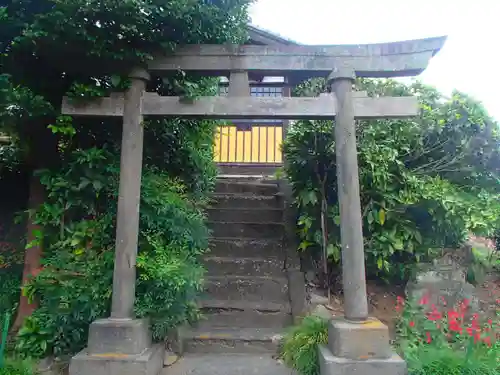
(382, 300)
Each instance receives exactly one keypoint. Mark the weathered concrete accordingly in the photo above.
(443, 283)
(246, 201)
(127, 221)
(361, 341)
(248, 288)
(260, 170)
(260, 230)
(246, 187)
(249, 318)
(368, 60)
(297, 293)
(224, 364)
(269, 306)
(239, 84)
(232, 340)
(351, 230)
(248, 215)
(149, 362)
(243, 266)
(234, 108)
(246, 248)
(129, 336)
(332, 365)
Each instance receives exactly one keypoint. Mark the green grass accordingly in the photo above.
(447, 361)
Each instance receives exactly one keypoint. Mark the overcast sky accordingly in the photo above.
(469, 62)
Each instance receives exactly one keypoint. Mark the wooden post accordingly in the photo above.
(351, 231)
(127, 227)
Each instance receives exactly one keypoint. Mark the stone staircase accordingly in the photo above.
(246, 304)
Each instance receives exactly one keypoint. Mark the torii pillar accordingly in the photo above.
(356, 344)
(122, 344)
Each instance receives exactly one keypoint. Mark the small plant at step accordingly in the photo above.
(300, 345)
(438, 339)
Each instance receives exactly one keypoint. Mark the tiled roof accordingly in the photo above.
(269, 35)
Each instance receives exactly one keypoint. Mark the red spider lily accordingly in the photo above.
(455, 327)
(412, 324)
(429, 339)
(475, 324)
(424, 300)
(454, 324)
(434, 314)
(400, 302)
(473, 331)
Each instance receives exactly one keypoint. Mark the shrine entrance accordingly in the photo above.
(357, 344)
(252, 142)
(253, 146)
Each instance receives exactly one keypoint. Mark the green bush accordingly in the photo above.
(17, 367)
(75, 284)
(10, 281)
(424, 184)
(300, 345)
(11, 259)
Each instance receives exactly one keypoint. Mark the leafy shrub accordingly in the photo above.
(11, 243)
(74, 285)
(423, 183)
(10, 281)
(17, 367)
(300, 345)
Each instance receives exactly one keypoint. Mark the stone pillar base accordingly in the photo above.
(331, 365)
(124, 336)
(150, 362)
(119, 347)
(360, 348)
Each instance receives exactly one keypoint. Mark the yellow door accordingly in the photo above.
(254, 144)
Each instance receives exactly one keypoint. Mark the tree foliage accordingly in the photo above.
(85, 49)
(425, 182)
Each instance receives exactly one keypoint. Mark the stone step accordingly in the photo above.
(253, 215)
(238, 201)
(246, 187)
(244, 314)
(231, 340)
(227, 364)
(242, 305)
(247, 288)
(219, 266)
(246, 230)
(246, 248)
(266, 171)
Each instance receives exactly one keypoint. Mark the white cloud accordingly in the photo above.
(468, 62)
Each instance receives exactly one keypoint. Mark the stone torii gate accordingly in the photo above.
(121, 344)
